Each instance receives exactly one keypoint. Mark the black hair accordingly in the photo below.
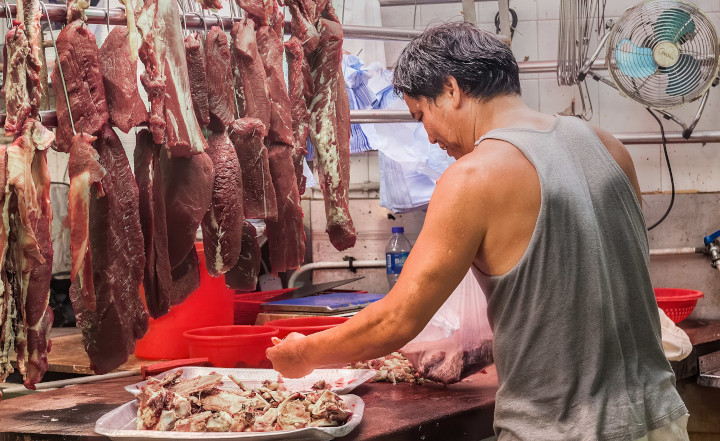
(483, 66)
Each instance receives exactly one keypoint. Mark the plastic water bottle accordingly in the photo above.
(396, 252)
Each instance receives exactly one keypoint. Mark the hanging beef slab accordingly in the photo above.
(300, 86)
(162, 51)
(250, 79)
(333, 153)
(221, 100)
(116, 242)
(119, 71)
(244, 275)
(222, 225)
(157, 280)
(78, 56)
(195, 55)
(259, 199)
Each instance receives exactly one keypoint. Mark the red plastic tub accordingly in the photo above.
(677, 303)
(305, 325)
(232, 346)
(209, 305)
(247, 305)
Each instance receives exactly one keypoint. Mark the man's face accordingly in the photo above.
(440, 121)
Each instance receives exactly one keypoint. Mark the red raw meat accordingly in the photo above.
(262, 10)
(119, 71)
(185, 278)
(333, 153)
(286, 236)
(221, 97)
(172, 120)
(157, 280)
(300, 80)
(29, 251)
(187, 189)
(85, 172)
(259, 200)
(15, 70)
(302, 25)
(78, 56)
(271, 50)
(244, 275)
(210, 4)
(76, 10)
(116, 242)
(7, 304)
(195, 55)
(222, 225)
(250, 79)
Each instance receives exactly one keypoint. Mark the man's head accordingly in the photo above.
(445, 68)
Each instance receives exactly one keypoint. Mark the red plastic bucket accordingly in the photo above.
(209, 305)
(677, 303)
(305, 325)
(238, 346)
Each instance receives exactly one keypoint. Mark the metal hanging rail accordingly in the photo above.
(49, 120)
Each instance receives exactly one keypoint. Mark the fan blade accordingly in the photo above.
(674, 25)
(683, 76)
(634, 61)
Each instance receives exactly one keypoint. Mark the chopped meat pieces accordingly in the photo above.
(79, 59)
(394, 368)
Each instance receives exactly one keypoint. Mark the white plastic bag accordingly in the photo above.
(675, 342)
(457, 342)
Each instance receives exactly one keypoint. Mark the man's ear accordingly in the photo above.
(452, 91)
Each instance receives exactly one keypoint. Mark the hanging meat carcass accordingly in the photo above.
(118, 63)
(249, 73)
(115, 241)
(247, 135)
(162, 51)
(222, 226)
(244, 275)
(27, 254)
(157, 280)
(221, 100)
(301, 89)
(328, 134)
(195, 55)
(78, 56)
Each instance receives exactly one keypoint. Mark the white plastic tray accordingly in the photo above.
(342, 381)
(119, 424)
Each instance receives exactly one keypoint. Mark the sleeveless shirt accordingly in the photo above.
(577, 331)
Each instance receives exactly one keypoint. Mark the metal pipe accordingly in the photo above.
(677, 251)
(334, 265)
(671, 138)
(419, 2)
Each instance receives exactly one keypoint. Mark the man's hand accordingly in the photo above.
(287, 358)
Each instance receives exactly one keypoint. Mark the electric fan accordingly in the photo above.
(662, 54)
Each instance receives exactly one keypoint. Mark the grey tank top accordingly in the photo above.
(577, 331)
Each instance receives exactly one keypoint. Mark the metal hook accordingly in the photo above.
(107, 14)
(182, 9)
(59, 65)
(222, 25)
(8, 15)
(202, 17)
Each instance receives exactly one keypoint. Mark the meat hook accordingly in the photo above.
(107, 14)
(8, 15)
(222, 25)
(59, 65)
(202, 17)
(182, 9)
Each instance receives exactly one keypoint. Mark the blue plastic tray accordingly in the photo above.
(324, 303)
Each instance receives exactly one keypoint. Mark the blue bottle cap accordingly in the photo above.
(400, 230)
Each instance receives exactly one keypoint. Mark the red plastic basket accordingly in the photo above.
(677, 303)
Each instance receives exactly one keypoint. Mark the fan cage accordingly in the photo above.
(637, 34)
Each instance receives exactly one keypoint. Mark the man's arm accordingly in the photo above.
(448, 243)
(621, 155)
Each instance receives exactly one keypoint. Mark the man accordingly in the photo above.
(546, 211)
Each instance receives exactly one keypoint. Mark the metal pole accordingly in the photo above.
(469, 11)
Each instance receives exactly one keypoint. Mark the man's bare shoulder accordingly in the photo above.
(621, 155)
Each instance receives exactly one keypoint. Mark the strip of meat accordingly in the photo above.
(172, 120)
(302, 25)
(116, 243)
(187, 190)
(219, 79)
(271, 50)
(259, 200)
(333, 153)
(249, 72)
(85, 171)
(26, 219)
(79, 58)
(7, 305)
(29, 15)
(119, 71)
(185, 278)
(244, 275)
(286, 236)
(222, 226)
(195, 56)
(157, 280)
(76, 10)
(298, 75)
(17, 98)
(262, 10)
(210, 4)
